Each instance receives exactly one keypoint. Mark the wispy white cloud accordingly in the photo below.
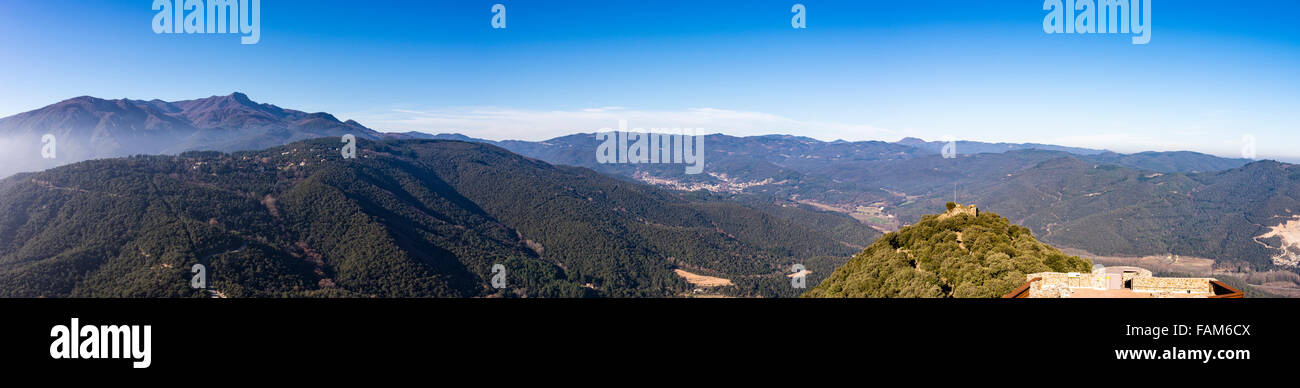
(521, 124)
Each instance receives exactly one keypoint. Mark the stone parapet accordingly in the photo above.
(1173, 285)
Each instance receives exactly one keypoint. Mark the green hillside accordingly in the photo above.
(403, 219)
(1112, 210)
(1149, 203)
(954, 254)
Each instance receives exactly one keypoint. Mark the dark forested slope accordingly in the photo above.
(403, 219)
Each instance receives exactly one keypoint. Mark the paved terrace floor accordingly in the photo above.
(1091, 293)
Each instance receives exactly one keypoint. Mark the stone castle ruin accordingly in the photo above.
(956, 209)
(1120, 282)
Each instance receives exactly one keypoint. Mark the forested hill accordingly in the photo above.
(411, 218)
(955, 254)
(1109, 204)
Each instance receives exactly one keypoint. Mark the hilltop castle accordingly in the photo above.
(955, 209)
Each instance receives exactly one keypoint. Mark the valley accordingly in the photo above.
(874, 216)
(1120, 205)
(1157, 263)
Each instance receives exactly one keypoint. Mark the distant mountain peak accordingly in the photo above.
(323, 116)
(232, 101)
(80, 99)
(84, 100)
(1264, 164)
(910, 141)
(453, 136)
(88, 127)
(241, 98)
(780, 136)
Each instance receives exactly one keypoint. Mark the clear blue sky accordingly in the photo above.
(985, 70)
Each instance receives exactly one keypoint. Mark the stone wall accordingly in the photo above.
(1061, 285)
(1058, 284)
(1173, 285)
(970, 210)
(1061, 279)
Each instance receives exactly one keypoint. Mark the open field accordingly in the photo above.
(1197, 266)
(701, 280)
(873, 216)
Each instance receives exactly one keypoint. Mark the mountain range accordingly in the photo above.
(1101, 202)
(406, 218)
(764, 203)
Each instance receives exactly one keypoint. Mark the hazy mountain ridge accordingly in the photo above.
(976, 147)
(92, 128)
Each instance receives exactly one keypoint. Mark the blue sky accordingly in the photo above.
(862, 70)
